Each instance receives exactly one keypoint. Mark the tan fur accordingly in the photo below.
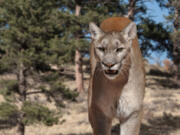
(119, 98)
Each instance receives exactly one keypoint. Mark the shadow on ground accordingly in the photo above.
(157, 126)
(157, 72)
(168, 83)
(67, 75)
(165, 82)
(8, 124)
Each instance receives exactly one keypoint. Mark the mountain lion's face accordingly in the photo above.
(111, 49)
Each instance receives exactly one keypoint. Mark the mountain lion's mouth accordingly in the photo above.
(111, 72)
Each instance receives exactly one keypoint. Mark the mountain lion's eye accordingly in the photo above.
(119, 49)
(102, 49)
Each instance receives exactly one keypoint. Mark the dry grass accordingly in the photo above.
(161, 112)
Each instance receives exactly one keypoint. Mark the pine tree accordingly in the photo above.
(174, 12)
(32, 40)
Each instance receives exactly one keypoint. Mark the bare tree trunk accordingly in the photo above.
(176, 50)
(78, 9)
(22, 82)
(78, 61)
(21, 129)
(79, 72)
(131, 9)
(22, 92)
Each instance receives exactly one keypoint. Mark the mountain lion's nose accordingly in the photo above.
(109, 65)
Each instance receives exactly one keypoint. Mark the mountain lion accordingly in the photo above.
(117, 80)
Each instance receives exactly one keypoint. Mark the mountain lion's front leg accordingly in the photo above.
(100, 123)
(132, 125)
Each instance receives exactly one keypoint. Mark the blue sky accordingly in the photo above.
(157, 14)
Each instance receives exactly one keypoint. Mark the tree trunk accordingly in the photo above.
(78, 9)
(78, 61)
(21, 129)
(22, 82)
(22, 92)
(79, 73)
(176, 55)
(131, 9)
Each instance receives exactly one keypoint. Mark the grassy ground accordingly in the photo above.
(161, 112)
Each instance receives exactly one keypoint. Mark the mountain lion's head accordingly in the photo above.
(112, 49)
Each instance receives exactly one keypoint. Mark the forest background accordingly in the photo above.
(41, 41)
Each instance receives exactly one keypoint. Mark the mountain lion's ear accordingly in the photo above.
(95, 31)
(130, 31)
